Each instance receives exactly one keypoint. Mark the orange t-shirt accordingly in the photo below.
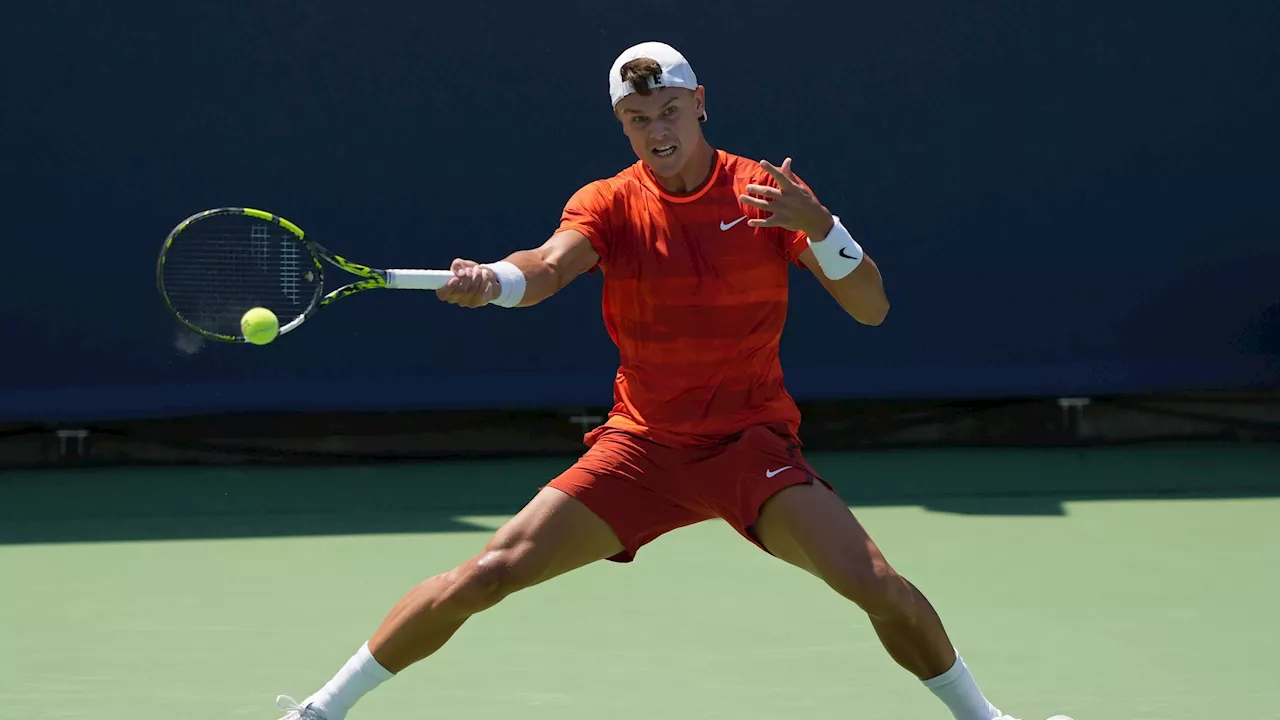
(695, 300)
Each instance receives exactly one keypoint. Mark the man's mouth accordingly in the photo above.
(665, 151)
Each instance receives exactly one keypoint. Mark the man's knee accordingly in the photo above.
(486, 579)
(874, 586)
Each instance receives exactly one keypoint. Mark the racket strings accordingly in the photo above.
(221, 266)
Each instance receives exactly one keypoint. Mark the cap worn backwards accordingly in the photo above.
(676, 71)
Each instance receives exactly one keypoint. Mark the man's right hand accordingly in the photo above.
(472, 285)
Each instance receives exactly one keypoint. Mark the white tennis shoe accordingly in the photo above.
(294, 711)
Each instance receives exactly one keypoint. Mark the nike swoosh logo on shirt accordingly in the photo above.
(771, 473)
(725, 226)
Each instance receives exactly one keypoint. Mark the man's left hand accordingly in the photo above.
(791, 204)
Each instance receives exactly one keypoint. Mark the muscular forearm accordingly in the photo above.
(848, 274)
(544, 271)
(861, 293)
(542, 276)
(523, 278)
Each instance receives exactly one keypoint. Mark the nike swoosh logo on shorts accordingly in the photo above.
(771, 473)
(725, 226)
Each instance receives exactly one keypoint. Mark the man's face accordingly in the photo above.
(663, 126)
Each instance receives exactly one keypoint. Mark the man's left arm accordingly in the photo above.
(832, 255)
(860, 293)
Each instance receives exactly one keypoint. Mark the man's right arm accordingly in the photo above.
(546, 269)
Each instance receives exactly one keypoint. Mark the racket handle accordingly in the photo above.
(417, 279)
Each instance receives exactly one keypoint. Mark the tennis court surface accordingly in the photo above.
(1108, 584)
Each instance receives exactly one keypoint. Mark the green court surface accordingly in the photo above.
(1104, 584)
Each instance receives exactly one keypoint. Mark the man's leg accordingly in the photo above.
(552, 535)
(810, 527)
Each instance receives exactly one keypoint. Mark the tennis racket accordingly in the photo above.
(218, 264)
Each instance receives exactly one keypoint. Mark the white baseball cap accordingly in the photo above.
(676, 71)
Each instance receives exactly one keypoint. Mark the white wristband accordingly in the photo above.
(838, 253)
(511, 283)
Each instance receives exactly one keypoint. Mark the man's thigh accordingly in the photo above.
(811, 527)
(553, 534)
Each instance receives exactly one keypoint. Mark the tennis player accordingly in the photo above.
(694, 244)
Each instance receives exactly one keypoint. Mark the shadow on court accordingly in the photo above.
(131, 504)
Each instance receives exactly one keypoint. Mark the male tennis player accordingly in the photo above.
(695, 245)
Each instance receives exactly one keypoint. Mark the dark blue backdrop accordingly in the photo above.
(1064, 197)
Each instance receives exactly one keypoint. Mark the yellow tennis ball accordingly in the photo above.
(260, 326)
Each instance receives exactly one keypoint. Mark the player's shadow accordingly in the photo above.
(129, 504)
(1044, 481)
(100, 505)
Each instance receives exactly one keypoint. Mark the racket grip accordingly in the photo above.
(417, 279)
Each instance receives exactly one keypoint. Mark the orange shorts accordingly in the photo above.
(643, 489)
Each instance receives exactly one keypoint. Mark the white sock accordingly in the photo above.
(360, 675)
(958, 690)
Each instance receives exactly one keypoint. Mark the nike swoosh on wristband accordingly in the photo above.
(725, 226)
(843, 254)
(771, 473)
